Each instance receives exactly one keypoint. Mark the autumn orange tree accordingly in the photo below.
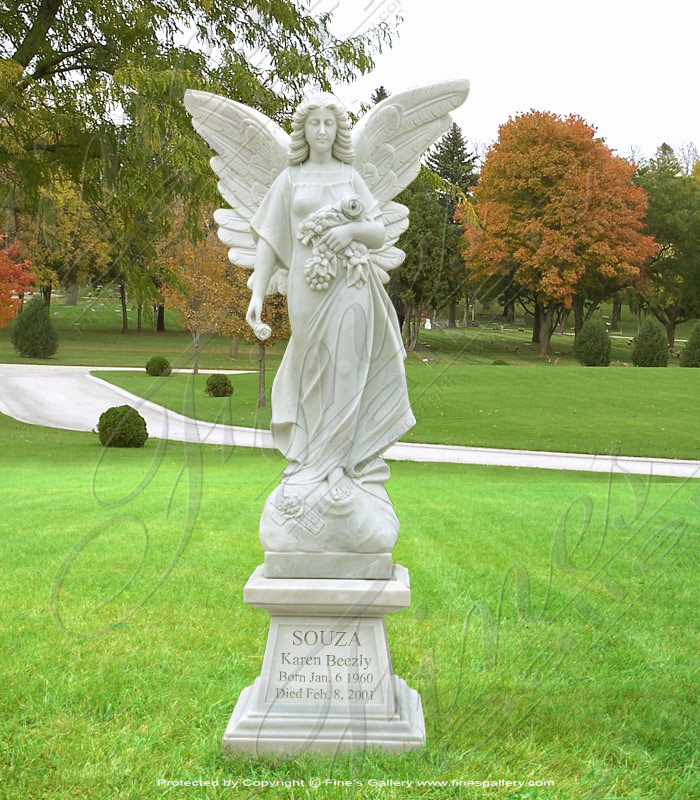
(198, 286)
(16, 278)
(559, 217)
(212, 295)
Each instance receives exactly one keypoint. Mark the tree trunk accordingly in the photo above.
(452, 315)
(72, 294)
(465, 316)
(639, 319)
(139, 317)
(546, 318)
(670, 326)
(46, 294)
(578, 313)
(233, 349)
(509, 312)
(537, 324)
(125, 316)
(616, 314)
(195, 339)
(590, 311)
(160, 318)
(563, 320)
(261, 375)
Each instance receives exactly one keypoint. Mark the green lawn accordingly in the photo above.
(642, 412)
(90, 335)
(126, 643)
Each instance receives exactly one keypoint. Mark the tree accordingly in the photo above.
(451, 160)
(650, 349)
(34, 334)
(199, 287)
(690, 357)
(98, 98)
(559, 215)
(421, 283)
(672, 291)
(16, 278)
(63, 239)
(61, 66)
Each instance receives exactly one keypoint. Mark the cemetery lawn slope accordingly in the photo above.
(126, 643)
(634, 412)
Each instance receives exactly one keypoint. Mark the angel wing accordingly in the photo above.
(389, 141)
(252, 151)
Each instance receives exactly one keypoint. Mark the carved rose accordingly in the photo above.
(351, 206)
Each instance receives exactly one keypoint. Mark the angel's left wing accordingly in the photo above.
(393, 135)
(252, 152)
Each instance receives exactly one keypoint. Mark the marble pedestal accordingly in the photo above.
(327, 683)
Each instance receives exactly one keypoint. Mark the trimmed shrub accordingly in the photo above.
(499, 362)
(34, 335)
(218, 386)
(690, 357)
(592, 346)
(122, 426)
(650, 346)
(157, 366)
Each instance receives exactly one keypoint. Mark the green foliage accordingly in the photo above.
(218, 386)
(122, 426)
(673, 218)
(690, 357)
(650, 347)
(499, 362)
(34, 335)
(158, 366)
(592, 346)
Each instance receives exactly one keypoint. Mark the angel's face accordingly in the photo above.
(320, 129)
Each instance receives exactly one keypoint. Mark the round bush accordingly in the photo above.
(499, 362)
(690, 357)
(592, 345)
(218, 386)
(122, 426)
(650, 346)
(157, 366)
(34, 334)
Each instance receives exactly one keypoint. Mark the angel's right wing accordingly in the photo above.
(252, 152)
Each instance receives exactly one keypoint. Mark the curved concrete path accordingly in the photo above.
(73, 399)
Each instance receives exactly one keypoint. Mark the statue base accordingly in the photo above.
(329, 565)
(327, 682)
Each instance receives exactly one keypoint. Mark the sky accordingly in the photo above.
(628, 68)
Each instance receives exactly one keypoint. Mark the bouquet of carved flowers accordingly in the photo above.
(324, 261)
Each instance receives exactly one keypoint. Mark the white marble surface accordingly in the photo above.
(326, 681)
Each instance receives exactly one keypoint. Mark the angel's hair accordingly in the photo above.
(299, 147)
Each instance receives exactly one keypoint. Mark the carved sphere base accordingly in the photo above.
(341, 519)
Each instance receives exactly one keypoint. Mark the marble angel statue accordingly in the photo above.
(312, 214)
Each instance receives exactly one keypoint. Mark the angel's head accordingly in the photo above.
(310, 111)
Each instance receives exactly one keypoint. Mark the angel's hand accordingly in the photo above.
(339, 237)
(254, 312)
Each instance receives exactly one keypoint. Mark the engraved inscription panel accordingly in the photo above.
(323, 663)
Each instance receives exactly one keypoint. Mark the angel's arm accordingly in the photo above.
(369, 233)
(265, 265)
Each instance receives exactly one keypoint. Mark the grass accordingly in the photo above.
(640, 412)
(125, 641)
(90, 334)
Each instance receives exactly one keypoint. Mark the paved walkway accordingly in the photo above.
(72, 398)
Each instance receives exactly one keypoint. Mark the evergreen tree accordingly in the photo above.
(690, 357)
(650, 349)
(452, 161)
(34, 334)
